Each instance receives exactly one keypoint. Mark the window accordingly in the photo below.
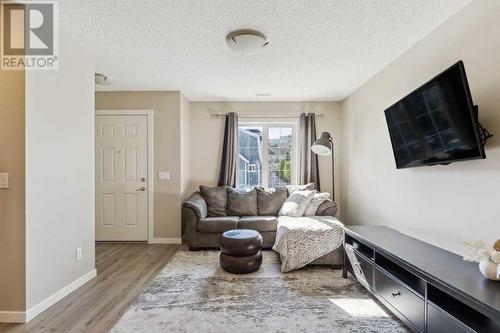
(267, 155)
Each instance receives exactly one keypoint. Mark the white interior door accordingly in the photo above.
(121, 178)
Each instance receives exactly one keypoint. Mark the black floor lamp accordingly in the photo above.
(324, 147)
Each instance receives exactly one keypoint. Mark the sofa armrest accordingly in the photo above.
(193, 209)
(327, 208)
(197, 204)
(189, 231)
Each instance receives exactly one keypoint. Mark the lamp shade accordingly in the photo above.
(322, 146)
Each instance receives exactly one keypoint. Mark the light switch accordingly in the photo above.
(4, 180)
(78, 254)
(164, 175)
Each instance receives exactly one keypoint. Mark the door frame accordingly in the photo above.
(149, 113)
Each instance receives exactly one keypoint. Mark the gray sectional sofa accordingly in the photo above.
(207, 213)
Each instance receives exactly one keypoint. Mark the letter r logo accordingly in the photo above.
(28, 29)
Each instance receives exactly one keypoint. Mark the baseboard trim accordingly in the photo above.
(12, 317)
(24, 317)
(57, 296)
(166, 241)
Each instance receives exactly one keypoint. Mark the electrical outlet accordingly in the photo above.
(79, 254)
(4, 180)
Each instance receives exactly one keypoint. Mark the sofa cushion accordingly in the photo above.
(259, 223)
(327, 208)
(296, 204)
(216, 198)
(269, 201)
(241, 203)
(218, 224)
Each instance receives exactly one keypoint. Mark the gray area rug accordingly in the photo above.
(193, 294)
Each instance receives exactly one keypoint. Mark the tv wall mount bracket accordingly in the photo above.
(484, 134)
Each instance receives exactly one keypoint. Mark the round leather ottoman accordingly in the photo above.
(240, 251)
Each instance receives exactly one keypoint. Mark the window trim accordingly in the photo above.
(265, 124)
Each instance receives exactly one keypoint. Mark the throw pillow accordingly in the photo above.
(327, 208)
(316, 201)
(241, 203)
(293, 188)
(269, 201)
(216, 198)
(296, 204)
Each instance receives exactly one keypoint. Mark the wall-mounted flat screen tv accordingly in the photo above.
(437, 123)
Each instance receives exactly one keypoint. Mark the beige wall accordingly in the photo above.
(167, 150)
(439, 204)
(59, 173)
(207, 135)
(12, 207)
(185, 147)
(187, 142)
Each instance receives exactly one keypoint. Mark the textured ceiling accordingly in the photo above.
(319, 50)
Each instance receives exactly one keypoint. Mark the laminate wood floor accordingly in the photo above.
(123, 272)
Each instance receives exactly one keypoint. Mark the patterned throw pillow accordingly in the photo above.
(316, 201)
(293, 188)
(297, 202)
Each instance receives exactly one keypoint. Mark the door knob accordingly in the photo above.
(142, 189)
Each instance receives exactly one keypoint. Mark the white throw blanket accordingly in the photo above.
(301, 240)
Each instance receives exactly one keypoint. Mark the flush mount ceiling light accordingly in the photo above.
(246, 41)
(101, 79)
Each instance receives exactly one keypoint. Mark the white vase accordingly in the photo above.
(489, 269)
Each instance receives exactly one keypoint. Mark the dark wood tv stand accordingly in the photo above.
(429, 289)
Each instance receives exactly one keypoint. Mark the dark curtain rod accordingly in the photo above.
(264, 115)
